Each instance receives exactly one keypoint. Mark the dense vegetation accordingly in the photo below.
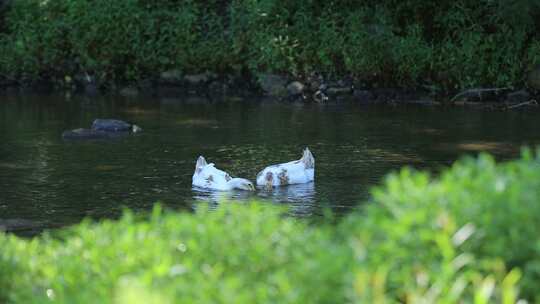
(469, 236)
(449, 44)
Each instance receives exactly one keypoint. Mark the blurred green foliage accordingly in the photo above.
(474, 215)
(467, 236)
(450, 44)
(239, 254)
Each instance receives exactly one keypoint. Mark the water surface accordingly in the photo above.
(47, 182)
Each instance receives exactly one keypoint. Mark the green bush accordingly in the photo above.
(240, 254)
(474, 215)
(451, 44)
(467, 236)
(114, 39)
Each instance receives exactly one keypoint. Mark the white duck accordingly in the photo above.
(294, 172)
(209, 177)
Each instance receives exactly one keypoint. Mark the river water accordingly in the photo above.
(46, 182)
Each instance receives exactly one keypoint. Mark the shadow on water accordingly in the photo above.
(50, 182)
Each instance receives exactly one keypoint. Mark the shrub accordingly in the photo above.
(533, 55)
(452, 44)
(474, 215)
(239, 254)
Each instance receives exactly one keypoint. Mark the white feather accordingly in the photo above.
(294, 172)
(209, 177)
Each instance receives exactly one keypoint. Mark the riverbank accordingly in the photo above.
(209, 87)
(377, 52)
(467, 235)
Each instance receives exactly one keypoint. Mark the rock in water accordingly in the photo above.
(111, 125)
(518, 96)
(12, 225)
(296, 88)
(363, 96)
(197, 79)
(273, 85)
(171, 77)
(129, 92)
(102, 129)
(335, 91)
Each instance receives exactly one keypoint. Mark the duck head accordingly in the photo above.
(241, 184)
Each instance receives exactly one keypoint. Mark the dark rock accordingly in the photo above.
(171, 77)
(364, 96)
(196, 100)
(385, 95)
(41, 86)
(88, 83)
(170, 101)
(91, 89)
(480, 95)
(146, 85)
(129, 92)
(217, 86)
(198, 79)
(102, 129)
(314, 82)
(273, 85)
(533, 78)
(7, 83)
(296, 88)
(424, 101)
(169, 91)
(518, 96)
(15, 225)
(335, 91)
(112, 125)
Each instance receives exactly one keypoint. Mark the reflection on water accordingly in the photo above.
(215, 197)
(485, 146)
(301, 198)
(51, 182)
(291, 193)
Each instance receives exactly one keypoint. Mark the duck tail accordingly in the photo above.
(201, 162)
(307, 159)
